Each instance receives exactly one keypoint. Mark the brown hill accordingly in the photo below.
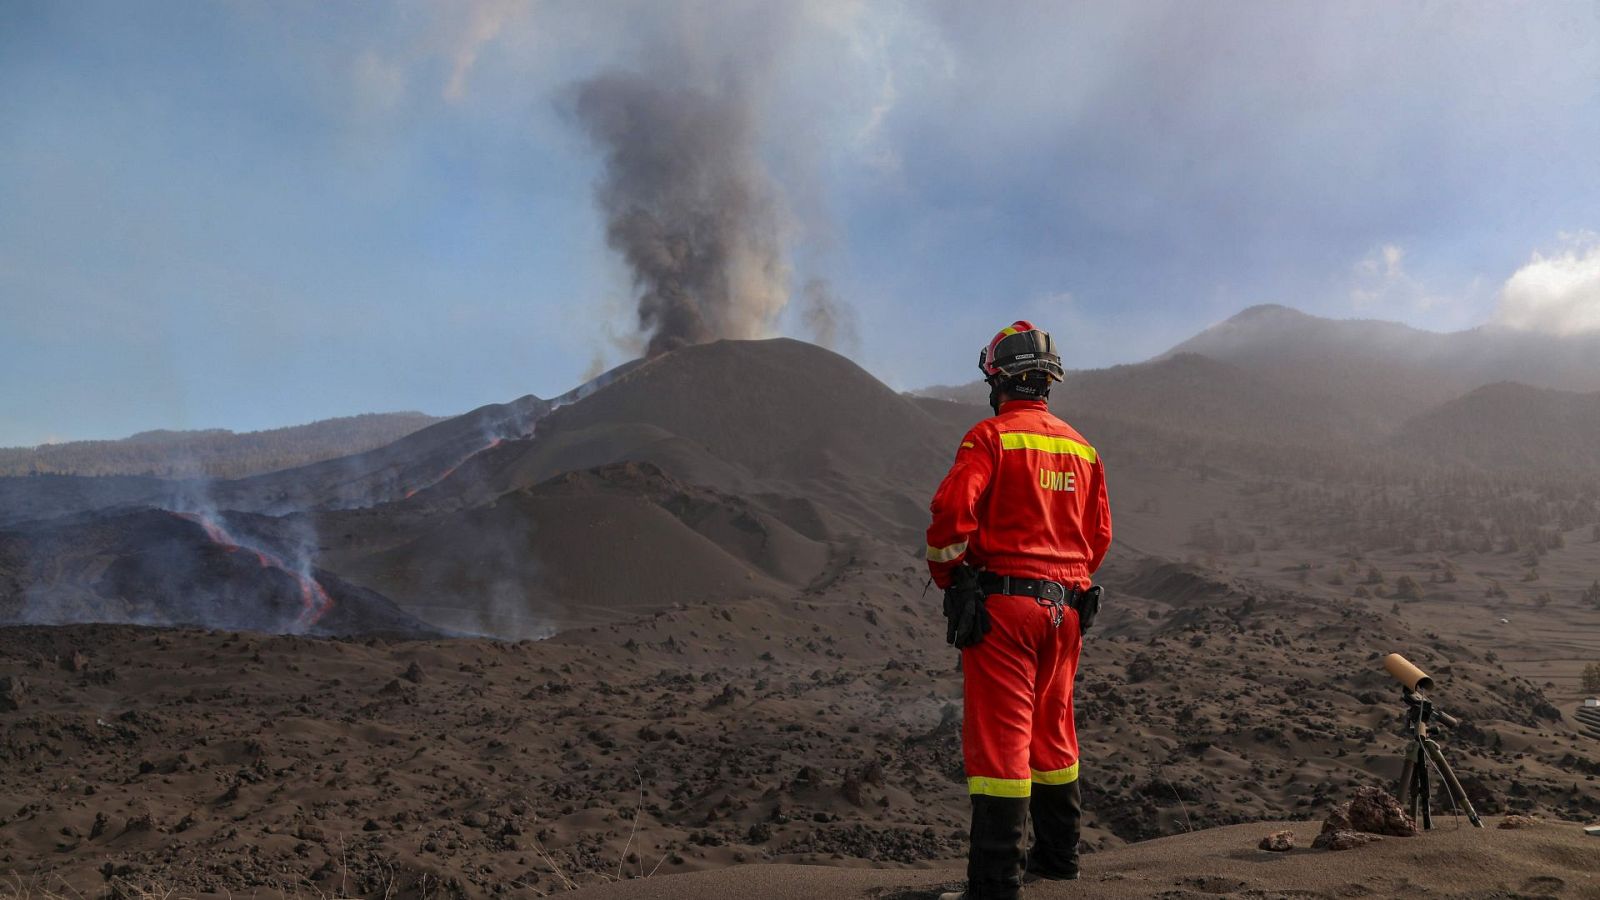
(652, 490)
(1190, 393)
(1507, 425)
(798, 428)
(597, 545)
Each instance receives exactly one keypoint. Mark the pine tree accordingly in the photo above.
(1592, 595)
(1591, 677)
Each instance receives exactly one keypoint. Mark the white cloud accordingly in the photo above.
(1556, 294)
(484, 22)
(1381, 284)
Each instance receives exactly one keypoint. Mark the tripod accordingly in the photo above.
(1423, 754)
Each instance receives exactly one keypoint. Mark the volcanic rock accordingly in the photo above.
(1343, 840)
(1375, 812)
(1518, 821)
(12, 689)
(1353, 823)
(141, 822)
(1278, 841)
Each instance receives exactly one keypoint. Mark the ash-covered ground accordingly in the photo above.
(823, 729)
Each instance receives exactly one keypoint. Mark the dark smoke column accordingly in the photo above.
(689, 206)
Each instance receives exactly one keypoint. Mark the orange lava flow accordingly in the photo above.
(314, 600)
(412, 492)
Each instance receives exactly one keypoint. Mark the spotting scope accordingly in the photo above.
(1422, 751)
(1406, 673)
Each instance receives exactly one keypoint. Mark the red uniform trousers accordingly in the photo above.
(1017, 726)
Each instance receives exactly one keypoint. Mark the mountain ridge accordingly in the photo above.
(215, 452)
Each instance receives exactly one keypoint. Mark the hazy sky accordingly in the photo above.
(251, 214)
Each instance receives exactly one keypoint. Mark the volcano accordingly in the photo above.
(725, 470)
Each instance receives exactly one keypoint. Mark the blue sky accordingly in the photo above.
(247, 215)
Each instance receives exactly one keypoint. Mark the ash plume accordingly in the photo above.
(829, 321)
(688, 203)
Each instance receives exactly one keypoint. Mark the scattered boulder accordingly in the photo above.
(75, 661)
(1140, 668)
(1358, 821)
(1278, 841)
(1518, 821)
(413, 673)
(12, 690)
(138, 823)
(395, 688)
(1375, 812)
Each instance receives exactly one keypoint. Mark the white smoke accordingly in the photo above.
(1557, 294)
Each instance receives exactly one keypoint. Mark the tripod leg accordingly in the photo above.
(1408, 776)
(1452, 783)
(1422, 795)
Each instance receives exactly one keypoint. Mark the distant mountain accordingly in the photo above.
(1196, 394)
(214, 453)
(1187, 394)
(393, 471)
(1389, 370)
(1510, 425)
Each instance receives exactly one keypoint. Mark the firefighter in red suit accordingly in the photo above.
(1020, 524)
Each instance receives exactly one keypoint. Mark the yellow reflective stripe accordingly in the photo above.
(1022, 440)
(1000, 787)
(946, 554)
(1056, 776)
(967, 445)
(1007, 331)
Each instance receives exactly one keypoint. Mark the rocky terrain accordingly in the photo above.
(712, 641)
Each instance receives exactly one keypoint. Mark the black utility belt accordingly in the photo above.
(1054, 591)
(1046, 593)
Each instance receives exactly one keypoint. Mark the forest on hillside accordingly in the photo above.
(214, 453)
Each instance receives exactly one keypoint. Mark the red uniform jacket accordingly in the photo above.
(1026, 497)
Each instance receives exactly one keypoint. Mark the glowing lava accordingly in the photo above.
(412, 492)
(314, 601)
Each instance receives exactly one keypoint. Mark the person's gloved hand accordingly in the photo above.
(965, 614)
(1088, 606)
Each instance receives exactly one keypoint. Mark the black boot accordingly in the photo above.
(994, 862)
(1057, 811)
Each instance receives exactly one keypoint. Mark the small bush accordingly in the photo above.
(1406, 588)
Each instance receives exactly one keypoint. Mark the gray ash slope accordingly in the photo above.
(155, 567)
(720, 470)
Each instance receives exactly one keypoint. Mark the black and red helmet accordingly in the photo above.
(1020, 348)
